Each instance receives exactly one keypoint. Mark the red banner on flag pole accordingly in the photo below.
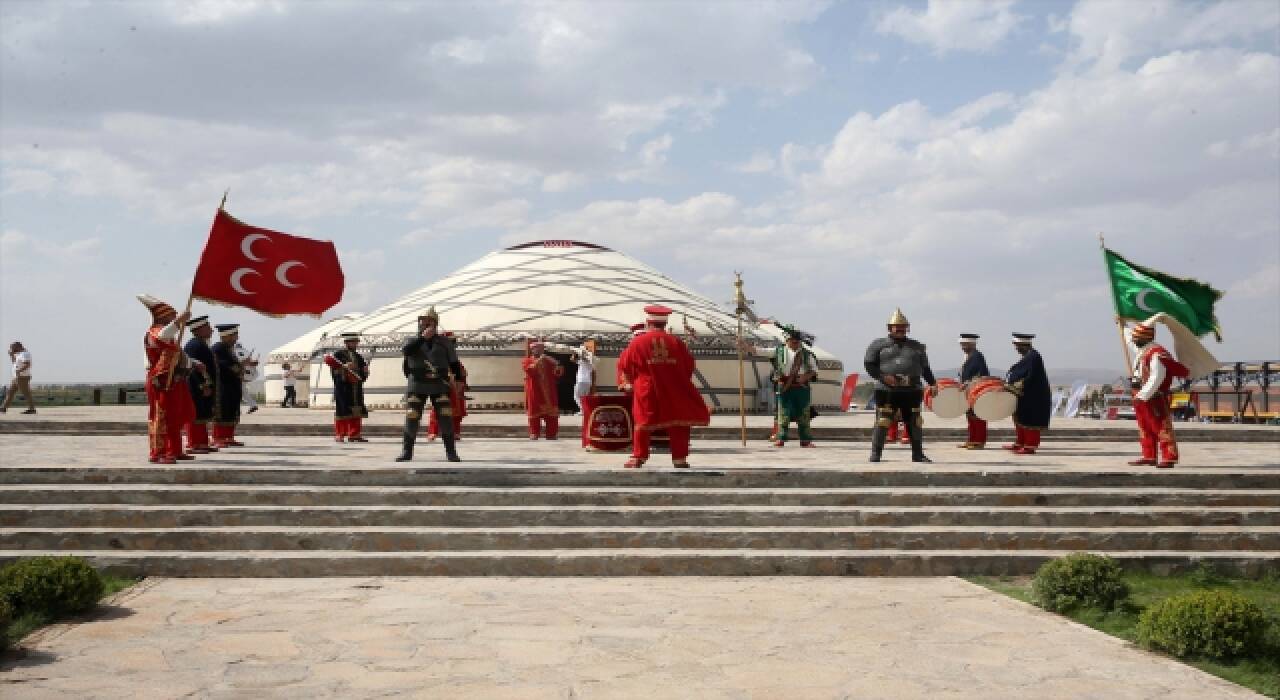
(268, 271)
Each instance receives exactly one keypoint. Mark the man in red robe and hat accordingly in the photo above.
(660, 369)
(169, 405)
(1154, 372)
(541, 395)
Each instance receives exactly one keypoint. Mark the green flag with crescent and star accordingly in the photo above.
(1141, 292)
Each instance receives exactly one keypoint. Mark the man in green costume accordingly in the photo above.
(796, 369)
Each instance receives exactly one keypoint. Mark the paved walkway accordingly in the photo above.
(587, 638)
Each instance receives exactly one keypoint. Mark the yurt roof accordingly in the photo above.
(301, 347)
(560, 291)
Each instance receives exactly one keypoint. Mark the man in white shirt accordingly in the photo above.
(585, 384)
(290, 386)
(21, 377)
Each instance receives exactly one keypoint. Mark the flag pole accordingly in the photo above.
(1124, 344)
(740, 301)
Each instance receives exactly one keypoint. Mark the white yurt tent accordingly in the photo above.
(297, 353)
(562, 292)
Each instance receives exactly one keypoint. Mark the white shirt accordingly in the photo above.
(22, 364)
(290, 377)
(586, 363)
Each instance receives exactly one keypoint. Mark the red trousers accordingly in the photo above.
(1027, 437)
(553, 426)
(167, 412)
(679, 435)
(197, 434)
(347, 427)
(977, 430)
(433, 425)
(1155, 428)
(222, 434)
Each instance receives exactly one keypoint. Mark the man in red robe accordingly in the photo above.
(169, 405)
(541, 395)
(1155, 370)
(660, 368)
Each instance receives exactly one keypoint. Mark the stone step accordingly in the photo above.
(420, 539)
(33, 516)
(625, 562)
(1050, 475)
(317, 496)
(571, 429)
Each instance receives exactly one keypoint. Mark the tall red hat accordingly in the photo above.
(158, 308)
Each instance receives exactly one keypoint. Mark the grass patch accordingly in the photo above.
(24, 624)
(1261, 673)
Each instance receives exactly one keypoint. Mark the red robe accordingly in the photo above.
(1154, 416)
(661, 370)
(541, 396)
(169, 405)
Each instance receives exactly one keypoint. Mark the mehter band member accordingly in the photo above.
(898, 364)
(1154, 371)
(169, 406)
(541, 393)
(228, 386)
(350, 371)
(201, 384)
(660, 369)
(975, 366)
(1029, 381)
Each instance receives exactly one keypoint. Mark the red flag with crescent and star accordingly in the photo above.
(270, 272)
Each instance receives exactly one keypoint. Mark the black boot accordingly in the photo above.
(410, 436)
(915, 434)
(450, 451)
(878, 435)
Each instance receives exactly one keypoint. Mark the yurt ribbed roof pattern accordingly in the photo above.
(549, 287)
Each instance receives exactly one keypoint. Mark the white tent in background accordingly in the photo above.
(560, 291)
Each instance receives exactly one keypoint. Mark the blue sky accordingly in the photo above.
(956, 159)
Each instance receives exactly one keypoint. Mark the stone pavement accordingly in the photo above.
(702, 638)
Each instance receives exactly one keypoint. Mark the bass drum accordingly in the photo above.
(949, 402)
(990, 399)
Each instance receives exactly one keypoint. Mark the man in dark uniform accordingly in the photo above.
(1028, 380)
(349, 371)
(429, 359)
(201, 383)
(975, 365)
(898, 364)
(228, 386)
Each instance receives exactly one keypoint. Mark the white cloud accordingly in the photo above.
(563, 182)
(952, 25)
(1263, 284)
(1108, 34)
(652, 156)
(760, 162)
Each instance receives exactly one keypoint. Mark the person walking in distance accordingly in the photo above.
(290, 376)
(21, 360)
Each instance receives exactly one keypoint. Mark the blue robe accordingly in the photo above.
(229, 386)
(199, 383)
(975, 365)
(1030, 382)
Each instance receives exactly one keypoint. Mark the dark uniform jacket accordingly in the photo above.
(975, 365)
(197, 349)
(348, 394)
(1030, 382)
(428, 363)
(907, 359)
(228, 385)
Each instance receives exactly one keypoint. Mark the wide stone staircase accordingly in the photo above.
(261, 521)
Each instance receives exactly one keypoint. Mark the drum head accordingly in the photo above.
(950, 402)
(996, 404)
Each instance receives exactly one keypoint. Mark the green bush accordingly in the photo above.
(52, 586)
(1218, 625)
(1079, 580)
(6, 617)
